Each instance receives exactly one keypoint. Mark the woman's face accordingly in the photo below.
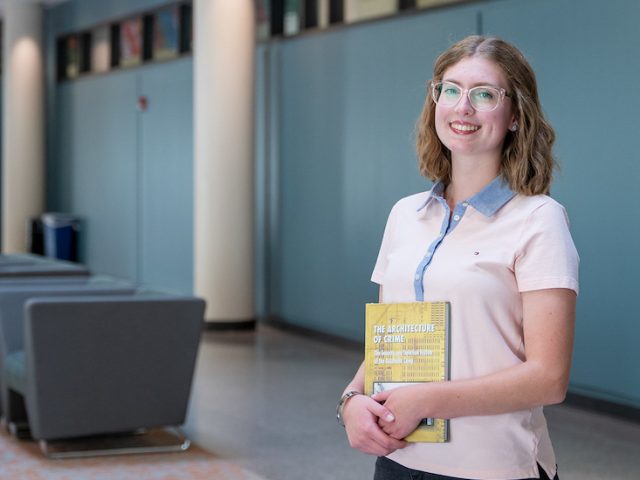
(465, 131)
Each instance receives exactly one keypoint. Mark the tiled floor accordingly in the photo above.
(266, 400)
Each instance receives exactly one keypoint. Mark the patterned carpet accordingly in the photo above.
(22, 460)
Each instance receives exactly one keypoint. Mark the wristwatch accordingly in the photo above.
(343, 400)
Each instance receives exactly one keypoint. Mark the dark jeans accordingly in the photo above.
(389, 470)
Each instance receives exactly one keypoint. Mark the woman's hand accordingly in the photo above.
(361, 415)
(405, 403)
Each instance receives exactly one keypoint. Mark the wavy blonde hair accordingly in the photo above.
(527, 161)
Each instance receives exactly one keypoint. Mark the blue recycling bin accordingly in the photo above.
(61, 232)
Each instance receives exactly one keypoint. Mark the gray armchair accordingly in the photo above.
(95, 365)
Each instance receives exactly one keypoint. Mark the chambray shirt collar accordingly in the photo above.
(487, 201)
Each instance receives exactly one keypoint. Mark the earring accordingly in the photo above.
(514, 126)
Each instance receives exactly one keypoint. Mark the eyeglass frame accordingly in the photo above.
(503, 93)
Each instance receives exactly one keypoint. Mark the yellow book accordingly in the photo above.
(408, 343)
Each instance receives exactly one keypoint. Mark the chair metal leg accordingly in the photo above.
(19, 430)
(157, 440)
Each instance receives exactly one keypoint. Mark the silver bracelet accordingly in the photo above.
(341, 403)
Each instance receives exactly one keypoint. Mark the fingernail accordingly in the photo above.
(390, 417)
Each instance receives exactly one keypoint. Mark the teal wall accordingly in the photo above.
(347, 104)
(582, 55)
(126, 172)
(348, 101)
(1, 149)
(95, 145)
(335, 119)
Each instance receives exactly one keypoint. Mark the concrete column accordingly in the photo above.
(22, 121)
(224, 46)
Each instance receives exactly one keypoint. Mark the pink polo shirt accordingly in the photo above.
(480, 258)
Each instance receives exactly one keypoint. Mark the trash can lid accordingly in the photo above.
(55, 219)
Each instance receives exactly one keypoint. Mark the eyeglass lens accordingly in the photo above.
(482, 98)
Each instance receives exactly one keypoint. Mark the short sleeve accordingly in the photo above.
(385, 247)
(546, 256)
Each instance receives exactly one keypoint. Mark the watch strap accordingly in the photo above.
(342, 402)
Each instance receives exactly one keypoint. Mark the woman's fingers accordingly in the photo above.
(362, 427)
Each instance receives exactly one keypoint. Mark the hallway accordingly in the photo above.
(266, 400)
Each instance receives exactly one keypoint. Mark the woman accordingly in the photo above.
(487, 239)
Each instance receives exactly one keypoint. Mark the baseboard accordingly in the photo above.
(230, 325)
(619, 410)
(277, 322)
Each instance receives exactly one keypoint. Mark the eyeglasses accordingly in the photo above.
(483, 98)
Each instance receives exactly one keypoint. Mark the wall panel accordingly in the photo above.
(165, 225)
(348, 101)
(127, 173)
(587, 83)
(95, 144)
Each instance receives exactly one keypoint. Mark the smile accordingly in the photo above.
(463, 127)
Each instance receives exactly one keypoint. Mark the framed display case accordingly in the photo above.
(73, 55)
(130, 53)
(161, 34)
(100, 49)
(166, 35)
(358, 10)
